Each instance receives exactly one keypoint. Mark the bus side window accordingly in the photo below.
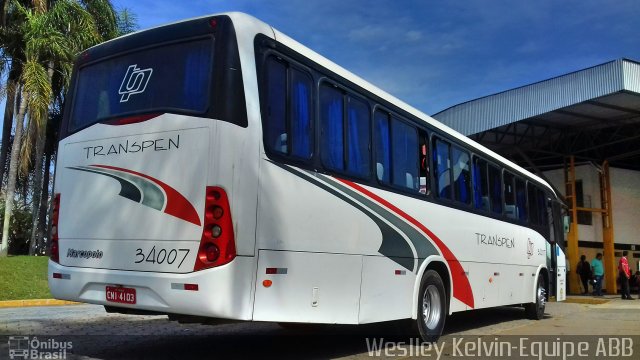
(534, 215)
(276, 137)
(509, 196)
(404, 141)
(288, 132)
(358, 135)
(461, 175)
(382, 140)
(300, 111)
(332, 125)
(542, 205)
(495, 186)
(442, 164)
(480, 185)
(521, 199)
(424, 164)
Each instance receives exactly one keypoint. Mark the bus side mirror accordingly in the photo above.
(566, 220)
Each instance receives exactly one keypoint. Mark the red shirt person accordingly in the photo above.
(625, 274)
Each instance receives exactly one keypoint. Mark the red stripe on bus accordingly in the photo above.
(177, 205)
(461, 286)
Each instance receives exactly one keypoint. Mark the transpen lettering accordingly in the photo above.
(161, 144)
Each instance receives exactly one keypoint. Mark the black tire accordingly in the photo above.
(432, 307)
(535, 310)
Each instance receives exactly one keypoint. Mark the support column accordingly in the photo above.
(572, 237)
(610, 268)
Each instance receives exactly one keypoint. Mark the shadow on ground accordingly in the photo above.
(268, 340)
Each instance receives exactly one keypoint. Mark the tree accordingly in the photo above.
(127, 21)
(51, 39)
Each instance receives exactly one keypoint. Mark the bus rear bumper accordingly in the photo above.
(224, 292)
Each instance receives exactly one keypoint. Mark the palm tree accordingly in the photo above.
(51, 40)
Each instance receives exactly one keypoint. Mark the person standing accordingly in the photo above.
(598, 274)
(584, 270)
(625, 274)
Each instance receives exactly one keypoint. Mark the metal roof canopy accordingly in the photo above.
(593, 114)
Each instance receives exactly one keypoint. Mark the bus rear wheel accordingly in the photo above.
(535, 310)
(432, 307)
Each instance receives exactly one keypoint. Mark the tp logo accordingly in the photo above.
(135, 82)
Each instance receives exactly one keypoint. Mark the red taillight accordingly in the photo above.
(217, 245)
(55, 249)
(212, 253)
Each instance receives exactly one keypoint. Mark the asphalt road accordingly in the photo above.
(96, 334)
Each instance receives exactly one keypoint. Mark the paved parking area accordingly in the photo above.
(96, 334)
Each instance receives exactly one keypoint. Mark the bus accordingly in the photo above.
(217, 169)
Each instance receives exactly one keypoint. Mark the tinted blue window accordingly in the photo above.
(480, 185)
(301, 107)
(495, 187)
(442, 163)
(405, 155)
(172, 77)
(534, 213)
(383, 148)
(509, 196)
(461, 175)
(521, 200)
(332, 125)
(542, 206)
(276, 137)
(358, 128)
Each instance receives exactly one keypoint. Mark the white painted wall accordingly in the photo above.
(625, 194)
(625, 186)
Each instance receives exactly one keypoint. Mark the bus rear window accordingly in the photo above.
(173, 77)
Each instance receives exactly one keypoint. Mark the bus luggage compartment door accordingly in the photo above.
(307, 287)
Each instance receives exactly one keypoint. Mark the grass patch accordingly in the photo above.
(23, 277)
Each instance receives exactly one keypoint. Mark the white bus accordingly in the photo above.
(217, 169)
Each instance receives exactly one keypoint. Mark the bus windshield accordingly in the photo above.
(174, 77)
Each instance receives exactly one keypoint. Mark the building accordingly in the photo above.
(581, 132)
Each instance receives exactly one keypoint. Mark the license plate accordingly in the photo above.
(121, 295)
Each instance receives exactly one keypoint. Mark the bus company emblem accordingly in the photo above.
(147, 191)
(135, 82)
(529, 248)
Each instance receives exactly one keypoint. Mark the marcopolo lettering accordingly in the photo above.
(84, 254)
(160, 144)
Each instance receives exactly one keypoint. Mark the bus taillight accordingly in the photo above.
(55, 249)
(217, 245)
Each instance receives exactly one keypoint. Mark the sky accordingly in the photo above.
(436, 54)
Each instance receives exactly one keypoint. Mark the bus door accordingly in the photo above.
(556, 261)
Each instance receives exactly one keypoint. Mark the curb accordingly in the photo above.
(35, 302)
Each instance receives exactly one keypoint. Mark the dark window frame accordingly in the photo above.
(297, 66)
(376, 103)
(474, 159)
(70, 107)
(436, 138)
(461, 149)
(390, 118)
(346, 96)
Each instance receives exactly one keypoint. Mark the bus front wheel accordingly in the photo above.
(432, 307)
(535, 310)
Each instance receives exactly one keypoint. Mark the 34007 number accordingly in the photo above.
(161, 256)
